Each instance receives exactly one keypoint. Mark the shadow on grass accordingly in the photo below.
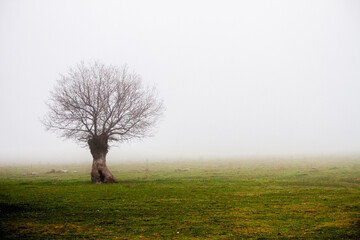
(10, 208)
(340, 233)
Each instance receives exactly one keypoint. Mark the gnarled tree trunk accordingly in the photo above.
(99, 148)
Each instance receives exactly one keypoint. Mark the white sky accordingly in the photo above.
(238, 78)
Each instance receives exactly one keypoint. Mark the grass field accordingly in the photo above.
(260, 199)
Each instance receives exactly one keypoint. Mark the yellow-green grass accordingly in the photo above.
(238, 199)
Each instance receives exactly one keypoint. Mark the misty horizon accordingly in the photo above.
(238, 79)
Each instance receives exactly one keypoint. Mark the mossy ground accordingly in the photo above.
(259, 199)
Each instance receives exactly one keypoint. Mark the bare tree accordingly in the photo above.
(98, 104)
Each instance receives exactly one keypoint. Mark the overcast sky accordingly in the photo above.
(238, 78)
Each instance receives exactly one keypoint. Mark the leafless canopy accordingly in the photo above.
(98, 100)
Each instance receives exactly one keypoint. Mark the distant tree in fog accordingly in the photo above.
(97, 104)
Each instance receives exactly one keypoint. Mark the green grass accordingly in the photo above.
(309, 199)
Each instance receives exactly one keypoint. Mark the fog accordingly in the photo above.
(238, 78)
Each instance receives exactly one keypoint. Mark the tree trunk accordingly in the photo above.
(99, 148)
